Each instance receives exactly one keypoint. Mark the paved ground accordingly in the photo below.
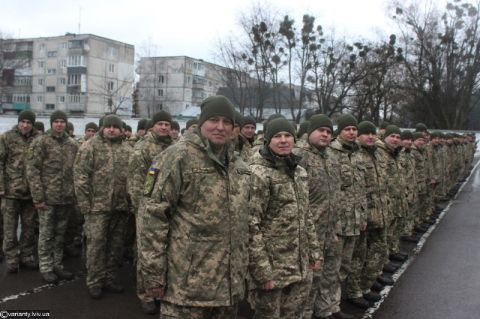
(441, 279)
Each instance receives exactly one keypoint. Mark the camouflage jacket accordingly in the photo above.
(407, 165)
(50, 169)
(100, 175)
(395, 186)
(13, 153)
(421, 172)
(244, 147)
(140, 160)
(282, 234)
(194, 225)
(324, 193)
(375, 181)
(353, 214)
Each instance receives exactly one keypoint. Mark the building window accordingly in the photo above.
(41, 47)
(161, 79)
(51, 54)
(41, 64)
(63, 45)
(50, 106)
(112, 51)
(61, 98)
(76, 60)
(51, 71)
(21, 98)
(75, 98)
(160, 92)
(50, 89)
(63, 63)
(110, 85)
(111, 68)
(74, 79)
(39, 98)
(40, 81)
(62, 81)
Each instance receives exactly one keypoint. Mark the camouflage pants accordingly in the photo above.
(409, 221)
(394, 232)
(286, 303)
(422, 208)
(140, 282)
(170, 311)
(12, 210)
(352, 282)
(348, 247)
(52, 226)
(377, 254)
(105, 232)
(325, 295)
(74, 228)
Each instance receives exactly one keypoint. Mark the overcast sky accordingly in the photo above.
(178, 27)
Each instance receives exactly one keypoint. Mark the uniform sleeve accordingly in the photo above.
(315, 252)
(161, 190)
(259, 264)
(82, 174)
(34, 163)
(137, 170)
(3, 158)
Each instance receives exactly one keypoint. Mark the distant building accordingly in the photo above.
(175, 84)
(81, 74)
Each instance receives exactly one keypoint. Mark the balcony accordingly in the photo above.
(75, 107)
(15, 106)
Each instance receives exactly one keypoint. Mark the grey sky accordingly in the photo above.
(177, 27)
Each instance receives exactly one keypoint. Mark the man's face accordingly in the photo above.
(282, 143)
(25, 127)
(393, 140)
(161, 128)
(321, 137)
(141, 132)
(192, 128)
(349, 133)
(173, 133)
(58, 126)
(89, 132)
(248, 130)
(407, 143)
(128, 133)
(218, 130)
(111, 132)
(435, 141)
(419, 143)
(367, 139)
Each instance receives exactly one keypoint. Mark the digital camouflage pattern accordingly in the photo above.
(13, 153)
(191, 242)
(100, 175)
(244, 147)
(172, 311)
(283, 239)
(422, 178)
(50, 169)
(407, 165)
(141, 160)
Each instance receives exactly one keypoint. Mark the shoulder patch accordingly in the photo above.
(150, 180)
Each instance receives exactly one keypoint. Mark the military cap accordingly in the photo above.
(70, 126)
(346, 120)
(162, 116)
(238, 118)
(406, 135)
(217, 105)
(420, 127)
(417, 135)
(271, 118)
(278, 125)
(91, 125)
(249, 120)
(303, 128)
(392, 129)
(318, 121)
(141, 125)
(58, 115)
(384, 125)
(191, 122)
(112, 120)
(39, 126)
(27, 115)
(128, 128)
(175, 125)
(367, 127)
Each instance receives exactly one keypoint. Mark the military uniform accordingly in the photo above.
(192, 243)
(101, 188)
(50, 173)
(17, 201)
(283, 239)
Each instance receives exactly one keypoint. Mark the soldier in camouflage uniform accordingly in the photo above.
(50, 173)
(90, 130)
(101, 188)
(302, 135)
(191, 125)
(174, 131)
(390, 149)
(140, 161)
(324, 198)
(353, 209)
(194, 221)
(419, 154)
(283, 244)
(377, 213)
(16, 198)
(246, 138)
(39, 127)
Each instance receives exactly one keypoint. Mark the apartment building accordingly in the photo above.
(175, 84)
(82, 74)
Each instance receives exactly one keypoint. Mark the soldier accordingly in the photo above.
(101, 188)
(39, 127)
(141, 128)
(353, 213)
(191, 125)
(70, 129)
(421, 172)
(246, 138)
(15, 192)
(141, 159)
(324, 200)
(283, 244)
(377, 213)
(90, 130)
(174, 130)
(50, 174)
(193, 245)
(302, 134)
